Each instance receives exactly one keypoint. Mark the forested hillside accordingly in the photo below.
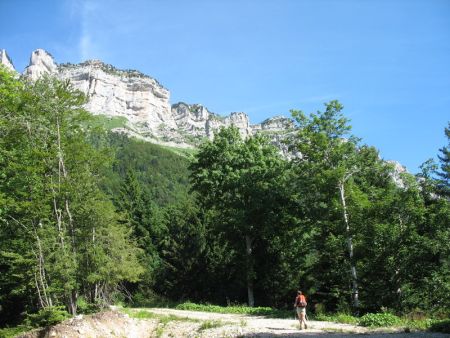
(89, 218)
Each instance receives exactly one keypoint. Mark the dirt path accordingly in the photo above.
(252, 326)
(167, 323)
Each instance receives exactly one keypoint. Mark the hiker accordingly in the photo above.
(300, 306)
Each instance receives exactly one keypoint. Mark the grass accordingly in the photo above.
(164, 319)
(244, 310)
(389, 321)
(211, 324)
(337, 318)
(110, 122)
(185, 152)
(380, 320)
(10, 332)
(440, 326)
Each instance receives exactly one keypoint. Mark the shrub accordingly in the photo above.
(86, 308)
(210, 324)
(46, 317)
(148, 298)
(379, 319)
(338, 318)
(346, 318)
(441, 326)
(10, 332)
(255, 311)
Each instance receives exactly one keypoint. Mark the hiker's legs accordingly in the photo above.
(299, 315)
(302, 320)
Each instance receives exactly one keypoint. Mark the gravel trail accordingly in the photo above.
(170, 323)
(235, 325)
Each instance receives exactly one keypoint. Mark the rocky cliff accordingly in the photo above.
(5, 60)
(144, 102)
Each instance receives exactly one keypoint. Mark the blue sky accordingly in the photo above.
(387, 61)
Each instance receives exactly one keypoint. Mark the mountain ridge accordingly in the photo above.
(145, 103)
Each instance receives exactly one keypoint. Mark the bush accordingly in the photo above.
(338, 318)
(46, 317)
(10, 332)
(148, 298)
(379, 319)
(86, 308)
(256, 311)
(441, 326)
(210, 324)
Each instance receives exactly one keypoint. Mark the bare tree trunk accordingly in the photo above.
(41, 300)
(72, 302)
(41, 283)
(40, 280)
(59, 222)
(250, 270)
(353, 275)
(72, 294)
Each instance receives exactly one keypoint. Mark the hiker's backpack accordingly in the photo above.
(302, 301)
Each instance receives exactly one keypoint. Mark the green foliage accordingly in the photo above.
(379, 319)
(246, 310)
(140, 314)
(85, 215)
(210, 324)
(146, 297)
(239, 182)
(440, 326)
(338, 318)
(10, 332)
(109, 122)
(85, 307)
(444, 172)
(59, 233)
(47, 317)
(164, 319)
(163, 175)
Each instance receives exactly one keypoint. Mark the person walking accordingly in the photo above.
(300, 306)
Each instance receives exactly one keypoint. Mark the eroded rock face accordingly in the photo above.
(192, 119)
(41, 62)
(144, 103)
(6, 61)
(397, 172)
(199, 122)
(275, 123)
(139, 98)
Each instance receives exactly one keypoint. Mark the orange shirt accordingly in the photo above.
(299, 299)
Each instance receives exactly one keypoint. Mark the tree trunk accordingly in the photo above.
(72, 302)
(353, 275)
(41, 283)
(72, 294)
(250, 270)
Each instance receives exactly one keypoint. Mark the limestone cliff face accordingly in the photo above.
(139, 98)
(199, 122)
(5, 60)
(144, 103)
(41, 62)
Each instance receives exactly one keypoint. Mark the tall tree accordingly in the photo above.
(238, 181)
(327, 166)
(444, 158)
(64, 226)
